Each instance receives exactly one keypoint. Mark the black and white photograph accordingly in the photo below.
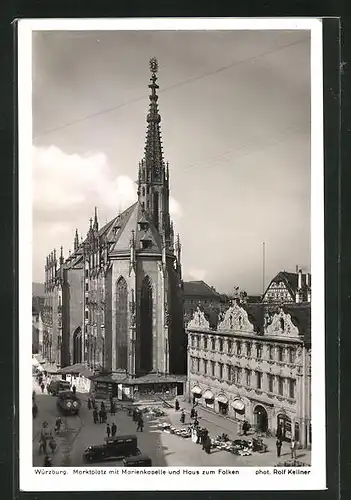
(171, 253)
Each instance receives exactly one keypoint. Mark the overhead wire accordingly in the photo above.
(165, 89)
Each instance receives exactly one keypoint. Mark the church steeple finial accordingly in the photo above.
(76, 241)
(96, 224)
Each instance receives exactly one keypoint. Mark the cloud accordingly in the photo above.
(196, 274)
(66, 188)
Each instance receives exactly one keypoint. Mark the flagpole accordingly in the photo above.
(263, 267)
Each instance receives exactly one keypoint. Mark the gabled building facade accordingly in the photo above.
(254, 364)
(287, 287)
(122, 309)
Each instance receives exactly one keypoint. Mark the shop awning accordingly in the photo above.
(196, 390)
(238, 405)
(222, 399)
(209, 395)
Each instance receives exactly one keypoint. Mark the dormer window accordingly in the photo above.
(145, 244)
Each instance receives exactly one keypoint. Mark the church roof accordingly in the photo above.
(199, 288)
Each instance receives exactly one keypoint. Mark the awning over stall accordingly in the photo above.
(196, 390)
(238, 405)
(222, 398)
(209, 395)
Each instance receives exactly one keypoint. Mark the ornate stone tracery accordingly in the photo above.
(199, 321)
(281, 325)
(236, 318)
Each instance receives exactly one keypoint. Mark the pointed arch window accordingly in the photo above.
(121, 323)
(146, 316)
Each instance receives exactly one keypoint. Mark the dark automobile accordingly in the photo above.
(68, 403)
(138, 461)
(57, 386)
(114, 448)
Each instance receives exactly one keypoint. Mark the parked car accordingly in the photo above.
(57, 386)
(114, 448)
(68, 403)
(137, 461)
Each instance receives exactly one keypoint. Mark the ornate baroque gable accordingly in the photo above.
(198, 321)
(280, 325)
(236, 319)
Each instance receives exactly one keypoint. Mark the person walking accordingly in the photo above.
(182, 417)
(112, 408)
(204, 438)
(140, 424)
(246, 427)
(113, 429)
(108, 430)
(74, 389)
(89, 404)
(95, 416)
(58, 424)
(101, 416)
(207, 444)
(279, 447)
(176, 405)
(42, 387)
(192, 413)
(293, 448)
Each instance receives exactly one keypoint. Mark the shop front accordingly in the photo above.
(238, 406)
(209, 399)
(223, 404)
(196, 394)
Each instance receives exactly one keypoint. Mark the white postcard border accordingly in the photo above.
(30, 480)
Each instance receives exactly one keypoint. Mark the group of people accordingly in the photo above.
(98, 416)
(293, 447)
(202, 435)
(111, 430)
(46, 440)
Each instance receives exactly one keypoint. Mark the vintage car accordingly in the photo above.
(114, 448)
(137, 461)
(68, 403)
(57, 386)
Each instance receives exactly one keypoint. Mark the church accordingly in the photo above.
(115, 304)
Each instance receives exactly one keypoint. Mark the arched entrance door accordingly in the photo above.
(77, 345)
(146, 326)
(122, 323)
(261, 418)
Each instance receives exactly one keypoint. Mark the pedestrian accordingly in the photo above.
(194, 400)
(293, 448)
(176, 405)
(140, 424)
(204, 438)
(95, 416)
(42, 387)
(245, 427)
(52, 444)
(192, 413)
(279, 447)
(113, 429)
(113, 408)
(195, 414)
(33, 396)
(58, 424)
(104, 417)
(89, 404)
(74, 389)
(182, 417)
(101, 416)
(196, 422)
(207, 446)
(102, 405)
(108, 430)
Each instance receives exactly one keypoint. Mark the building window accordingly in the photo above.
(192, 363)
(221, 345)
(86, 287)
(205, 366)
(280, 386)
(248, 349)
(205, 342)
(270, 382)
(198, 341)
(193, 341)
(212, 368)
(197, 364)
(213, 344)
(248, 377)
(291, 355)
(229, 346)
(238, 348)
(229, 373)
(220, 370)
(270, 352)
(86, 314)
(292, 384)
(87, 273)
(258, 380)
(280, 354)
(258, 351)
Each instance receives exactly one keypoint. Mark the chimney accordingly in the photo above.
(299, 286)
(297, 268)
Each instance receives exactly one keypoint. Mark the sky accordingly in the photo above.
(235, 108)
